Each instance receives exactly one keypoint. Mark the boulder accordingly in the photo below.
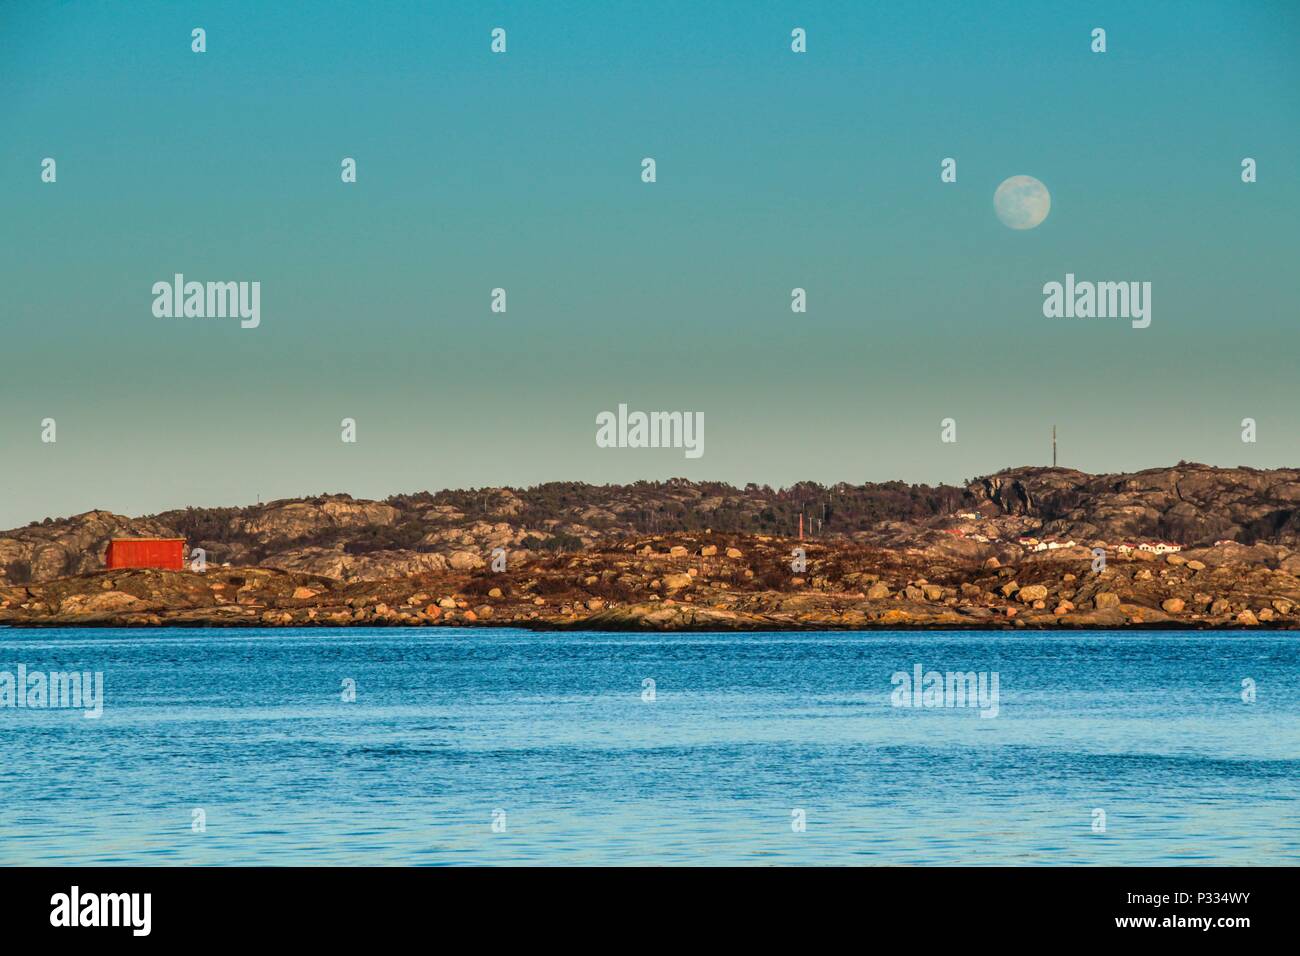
(464, 561)
(106, 602)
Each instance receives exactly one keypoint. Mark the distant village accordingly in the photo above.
(1032, 544)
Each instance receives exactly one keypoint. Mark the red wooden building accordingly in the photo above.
(168, 553)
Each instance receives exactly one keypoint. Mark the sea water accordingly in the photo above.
(501, 746)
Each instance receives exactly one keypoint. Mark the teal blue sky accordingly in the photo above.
(522, 171)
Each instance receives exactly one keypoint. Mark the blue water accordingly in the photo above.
(449, 727)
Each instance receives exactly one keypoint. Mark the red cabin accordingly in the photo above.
(167, 553)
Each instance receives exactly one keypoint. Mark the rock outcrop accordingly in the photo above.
(699, 581)
(1188, 503)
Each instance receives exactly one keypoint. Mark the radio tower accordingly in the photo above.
(1053, 446)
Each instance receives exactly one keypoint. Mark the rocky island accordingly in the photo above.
(1184, 547)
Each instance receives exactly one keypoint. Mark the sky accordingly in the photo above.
(523, 171)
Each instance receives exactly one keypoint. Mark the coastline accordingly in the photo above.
(702, 582)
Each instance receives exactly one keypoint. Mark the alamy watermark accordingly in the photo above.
(76, 908)
(651, 430)
(208, 300)
(1101, 300)
(57, 690)
(922, 688)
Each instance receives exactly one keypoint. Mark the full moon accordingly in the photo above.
(1022, 202)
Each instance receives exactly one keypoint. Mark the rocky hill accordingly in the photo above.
(345, 539)
(1189, 504)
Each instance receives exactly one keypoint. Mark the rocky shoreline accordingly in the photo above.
(707, 582)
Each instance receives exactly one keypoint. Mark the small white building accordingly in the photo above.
(1125, 549)
(1054, 545)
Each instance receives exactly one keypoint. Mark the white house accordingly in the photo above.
(1054, 545)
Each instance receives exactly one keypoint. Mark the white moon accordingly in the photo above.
(1022, 202)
